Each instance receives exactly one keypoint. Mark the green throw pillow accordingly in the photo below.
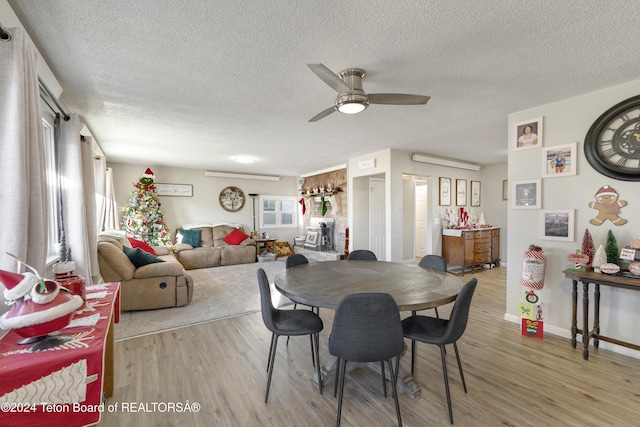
(190, 237)
(139, 257)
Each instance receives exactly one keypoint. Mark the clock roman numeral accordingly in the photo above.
(608, 152)
(621, 161)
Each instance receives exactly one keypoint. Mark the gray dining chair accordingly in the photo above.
(441, 332)
(434, 262)
(362, 255)
(288, 323)
(293, 261)
(367, 328)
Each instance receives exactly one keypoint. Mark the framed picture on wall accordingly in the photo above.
(557, 225)
(527, 134)
(461, 192)
(526, 194)
(444, 198)
(475, 193)
(559, 160)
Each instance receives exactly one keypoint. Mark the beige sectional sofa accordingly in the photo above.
(156, 285)
(213, 251)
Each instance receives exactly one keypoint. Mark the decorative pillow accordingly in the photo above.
(138, 257)
(235, 237)
(190, 237)
(135, 243)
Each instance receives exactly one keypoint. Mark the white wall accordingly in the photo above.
(392, 164)
(564, 122)
(204, 206)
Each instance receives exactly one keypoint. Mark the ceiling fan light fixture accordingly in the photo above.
(351, 103)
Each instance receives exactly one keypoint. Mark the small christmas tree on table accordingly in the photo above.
(588, 248)
(611, 249)
(142, 217)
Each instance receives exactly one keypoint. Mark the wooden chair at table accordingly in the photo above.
(288, 323)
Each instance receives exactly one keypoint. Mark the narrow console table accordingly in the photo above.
(63, 385)
(615, 281)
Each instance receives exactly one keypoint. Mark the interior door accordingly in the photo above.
(377, 218)
(421, 219)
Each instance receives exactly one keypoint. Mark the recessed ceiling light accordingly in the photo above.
(244, 159)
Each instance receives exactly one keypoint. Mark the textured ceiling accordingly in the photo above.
(192, 83)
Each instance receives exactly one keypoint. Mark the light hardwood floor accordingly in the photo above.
(512, 380)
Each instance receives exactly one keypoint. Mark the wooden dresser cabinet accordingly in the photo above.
(471, 248)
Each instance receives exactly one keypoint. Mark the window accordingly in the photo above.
(53, 210)
(277, 211)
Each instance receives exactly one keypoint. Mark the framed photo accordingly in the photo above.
(505, 189)
(526, 194)
(445, 192)
(557, 225)
(475, 193)
(559, 160)
(461, 192)
(182, 190)
(527, 134)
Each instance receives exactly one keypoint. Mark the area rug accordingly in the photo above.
(218, 293)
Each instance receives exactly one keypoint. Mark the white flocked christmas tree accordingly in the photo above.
(142, 217)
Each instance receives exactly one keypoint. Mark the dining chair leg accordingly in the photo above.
(384, 380)
(313, 359)
(464, 385)
(273, 337)
(413, 355)
(436, 309)
(335, 382)
(394, 378)
(272, 360)
(446, 381)
(317, 359)
(343, 364)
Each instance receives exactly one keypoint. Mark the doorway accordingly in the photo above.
(421, 210)
(377, 218)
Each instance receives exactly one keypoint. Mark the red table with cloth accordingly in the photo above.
(62, 386)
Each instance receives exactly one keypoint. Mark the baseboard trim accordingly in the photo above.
(566, 333)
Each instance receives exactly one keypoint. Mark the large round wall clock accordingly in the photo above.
(612, 144)
(231, 199)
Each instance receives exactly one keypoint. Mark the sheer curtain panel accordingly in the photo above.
(23, 196)
(77, 186)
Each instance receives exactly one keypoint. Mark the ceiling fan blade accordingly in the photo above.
(322, 114)
(329, 77)
(397, 99)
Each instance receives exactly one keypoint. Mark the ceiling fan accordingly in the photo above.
(352, 98)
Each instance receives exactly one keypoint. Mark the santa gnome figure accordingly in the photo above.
(38, 306)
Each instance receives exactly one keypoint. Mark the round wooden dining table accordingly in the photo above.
(324, 284)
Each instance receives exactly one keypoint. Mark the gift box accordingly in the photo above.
(533, 328)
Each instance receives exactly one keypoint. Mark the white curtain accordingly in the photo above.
(23, 195)
(75, 167)
(111, 221)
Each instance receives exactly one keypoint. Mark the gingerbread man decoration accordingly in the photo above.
(608, 207)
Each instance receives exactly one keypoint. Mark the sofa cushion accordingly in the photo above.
(235, 237)
(139, 258)
(190, 237)
(135, 243)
